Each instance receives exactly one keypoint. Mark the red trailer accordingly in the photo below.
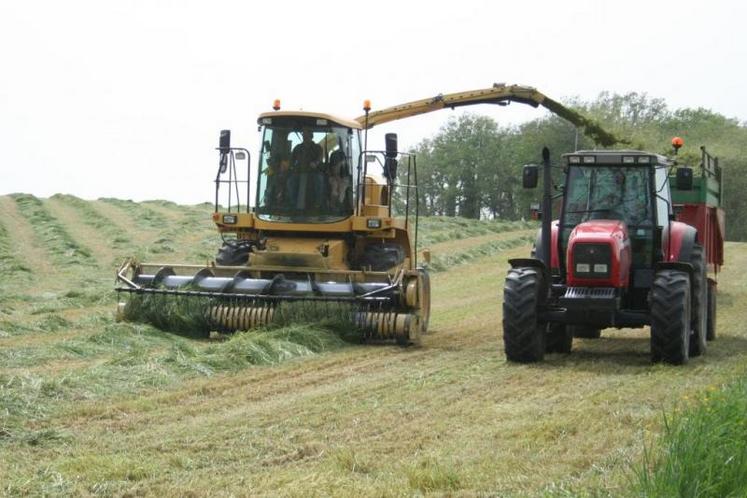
(700, 206)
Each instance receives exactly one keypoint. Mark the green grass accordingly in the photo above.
(93, 218)
(10, 266)
(703, 450)
(443, 262)
(90, 406)
(143, 216)
(437, 229)
(51, 233)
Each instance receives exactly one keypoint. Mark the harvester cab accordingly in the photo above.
(327, 227)
(623, 253)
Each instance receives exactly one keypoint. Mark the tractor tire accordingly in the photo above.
(670, 317)
(700, 302)
(585, 331)
(523, 335)
(711, 315)
(559, 339)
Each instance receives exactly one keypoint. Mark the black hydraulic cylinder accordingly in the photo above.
(545, 252)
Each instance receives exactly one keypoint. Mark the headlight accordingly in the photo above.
(373, 223)
(582, 268)
(229, 219)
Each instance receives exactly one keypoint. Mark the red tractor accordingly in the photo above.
(628, 250)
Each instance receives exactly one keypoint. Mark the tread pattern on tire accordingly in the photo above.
(699, 302)
(670, 317)
(523, 337)
(711, 306)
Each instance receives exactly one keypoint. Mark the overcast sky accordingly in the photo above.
(126, 99)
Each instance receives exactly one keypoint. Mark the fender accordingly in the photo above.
(683, 238)
(540, 266)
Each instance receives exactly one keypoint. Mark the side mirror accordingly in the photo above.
(684, 179)
(390, 161)
(391, 145)
(224, 144)
(535, 211)
(530, 176)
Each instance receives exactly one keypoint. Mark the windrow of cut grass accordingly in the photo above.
(109, 232)
(51, 234)
(126, 358)
(437, 229)
(181, 231)
(703, 449)
(10, 266)
(443, 262)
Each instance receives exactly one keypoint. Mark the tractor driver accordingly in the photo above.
(306, 168)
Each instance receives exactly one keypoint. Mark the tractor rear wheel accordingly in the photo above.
(586, 331)
(670, 317)
(700, 302)
(523, 334)
(711, 315)
(559, 339)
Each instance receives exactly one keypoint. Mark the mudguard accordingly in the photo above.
(677, 242)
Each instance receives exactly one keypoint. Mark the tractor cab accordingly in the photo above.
(629, 187)
(306, 167)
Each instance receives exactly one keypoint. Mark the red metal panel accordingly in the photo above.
(709, 222)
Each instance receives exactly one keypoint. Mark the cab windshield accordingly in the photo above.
(617, 193)
(306, 168)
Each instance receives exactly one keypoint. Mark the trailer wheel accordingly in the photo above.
(586, 332)
(523, 335)
(711, 318)
(700, 302)
(670, 317)
(559, 339)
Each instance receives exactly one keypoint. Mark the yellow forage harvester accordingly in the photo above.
(331, 223)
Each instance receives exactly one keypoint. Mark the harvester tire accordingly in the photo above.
(425, 299)
(711, 319)
(670, 317)
(234, 253)
(585, 331)
(559, 339)
(700, 302)
(523, 335)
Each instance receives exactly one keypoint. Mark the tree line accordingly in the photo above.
(472, 166)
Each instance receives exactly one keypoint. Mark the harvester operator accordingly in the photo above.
(306, 172)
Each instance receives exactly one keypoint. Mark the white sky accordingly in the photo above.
(126, 98)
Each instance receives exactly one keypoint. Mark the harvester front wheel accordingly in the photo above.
(523, 334)
(670, 317)
(711, 320)
(424, 287)
(700, 302)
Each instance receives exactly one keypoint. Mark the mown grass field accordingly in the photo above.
(89, 406)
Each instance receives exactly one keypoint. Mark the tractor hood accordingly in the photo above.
(598, 254)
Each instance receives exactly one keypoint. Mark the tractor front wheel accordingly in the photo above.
(670, 317)
(523, 334)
